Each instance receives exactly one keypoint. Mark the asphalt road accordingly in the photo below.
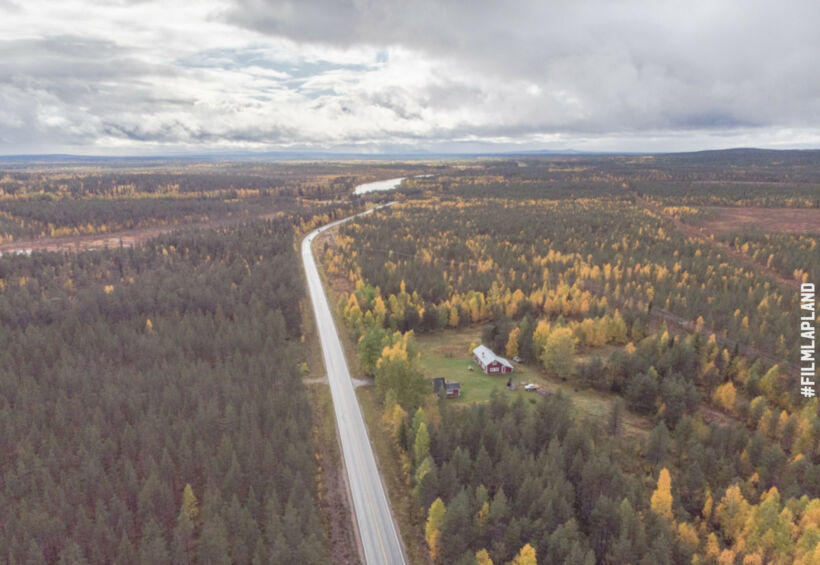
(377, 531)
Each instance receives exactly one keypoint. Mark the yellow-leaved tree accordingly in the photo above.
(525, 557)
(512, 342)
(432, 529)
(483, 558)
(558, 357)
(184, 537)
(190, 505)
(661, 501)
(725, 395)
(732, 512)
(397, 370)
(453, 320)
(539, 337)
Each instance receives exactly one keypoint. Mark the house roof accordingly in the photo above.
(453, 385)
(486, 355)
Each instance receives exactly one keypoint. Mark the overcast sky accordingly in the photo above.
(147, 77)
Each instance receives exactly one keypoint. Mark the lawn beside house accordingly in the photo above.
(447, 354)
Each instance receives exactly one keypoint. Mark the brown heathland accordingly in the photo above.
(728, 219)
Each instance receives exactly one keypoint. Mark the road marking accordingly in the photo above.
(370, 503)
(351, 424)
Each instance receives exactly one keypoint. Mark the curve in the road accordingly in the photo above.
(377, 530)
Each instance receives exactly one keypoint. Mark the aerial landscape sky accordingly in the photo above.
(148, 77)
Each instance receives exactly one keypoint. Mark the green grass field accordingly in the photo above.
(475, 385)
(447, 354)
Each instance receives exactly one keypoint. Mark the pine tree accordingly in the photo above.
(525, 338)
(456, 528)
(631, 541)
(153, 548)
(658, 445)
(616, 417)
(34, 555)
(214, 548)
(126, 555)
(72, 554)
(568, 546)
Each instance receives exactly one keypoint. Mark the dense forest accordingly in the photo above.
(96, 180)
(40, 202)
(152, 400)
(703, 350)
(718, 178)
(569, 258)
(788, 254)
(152, 403)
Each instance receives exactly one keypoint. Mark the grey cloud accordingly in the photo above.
(627, 65)
(10, 7)
(62, 88)
(391, 73)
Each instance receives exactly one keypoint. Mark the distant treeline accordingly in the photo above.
(730, 178)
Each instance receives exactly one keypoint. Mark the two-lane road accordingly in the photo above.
(377, 531)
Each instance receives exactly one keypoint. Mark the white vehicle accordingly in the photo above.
(530, 387)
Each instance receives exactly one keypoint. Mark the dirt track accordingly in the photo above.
(124, 238)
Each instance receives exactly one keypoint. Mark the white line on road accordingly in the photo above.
(377, 530)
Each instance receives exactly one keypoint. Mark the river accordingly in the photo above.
(388, 184)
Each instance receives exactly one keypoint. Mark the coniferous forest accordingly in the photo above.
(152, 406)
(157, 397)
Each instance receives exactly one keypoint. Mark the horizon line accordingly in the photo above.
(330, 154)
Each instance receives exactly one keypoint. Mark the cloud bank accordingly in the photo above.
(114, 77)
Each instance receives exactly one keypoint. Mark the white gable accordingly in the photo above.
(486, 356)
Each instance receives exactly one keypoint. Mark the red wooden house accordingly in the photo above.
(489, 362)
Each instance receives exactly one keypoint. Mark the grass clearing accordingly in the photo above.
(446, 354)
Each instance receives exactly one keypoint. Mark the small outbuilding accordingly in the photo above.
(489, 362)
(450, 390)
(439, 384)
(453, 389)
